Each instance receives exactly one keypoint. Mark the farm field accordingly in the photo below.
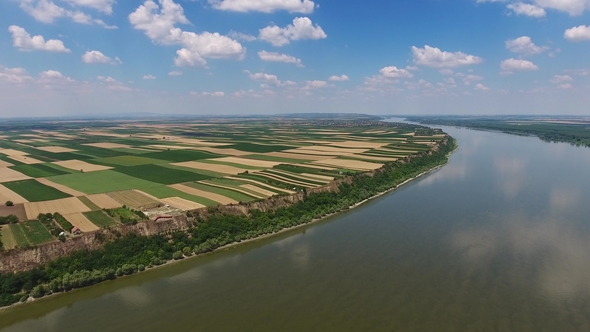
(79, 168)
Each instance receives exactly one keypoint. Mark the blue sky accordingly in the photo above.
(75, 57)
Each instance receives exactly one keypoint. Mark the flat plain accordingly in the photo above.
(79, 168)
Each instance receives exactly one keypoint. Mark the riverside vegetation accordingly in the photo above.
(129, 254)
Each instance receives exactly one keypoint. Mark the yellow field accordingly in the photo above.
(8, 175)
(103, 201)
(232, 152)
(299, 177)
(248, 162)
(25, 159)
(319, 177)
(63, 206)
(225, 169)
(80, 221)
(261, 191)
(384, 159)
(350, 164)
(60, 187)
(107, 145)
(12, 152)
(102, 133)
(8, 240)
(133, 198)
(334, 149)
(261, 184)
(81, 165)
(168, 147)
(5, 163)
(209, 195)
(9, 195)
(182, 203)
(245, 192)
(55, 149)
(294, 156)
(286, 180)
(358, 144)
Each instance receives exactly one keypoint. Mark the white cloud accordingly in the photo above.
(98, 57)
(159, 25)
(113, 84)
(302, 28)
(341, 78)
(481, 87)
(446, 71)
(53, 76)
(394, 72)
(434, 57)
(265, 6)
(467, 79)
(527, 9)
(576, 34)
(24, 42)
(316, 84)
(524, 45)
(214, 94)
(14, 75)
(149, 77)
(572, 7)
(175, 73)
(46, 11)
(267, 78)
(277, 57)
(561, 78)
(105, 6)
(565, 86)
(512, 64)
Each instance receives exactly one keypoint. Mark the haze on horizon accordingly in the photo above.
(81, 57)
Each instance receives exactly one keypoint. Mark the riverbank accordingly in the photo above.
(220, 231)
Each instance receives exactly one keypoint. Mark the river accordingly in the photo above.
(497, 240)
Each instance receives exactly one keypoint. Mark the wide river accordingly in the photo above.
(497, 240)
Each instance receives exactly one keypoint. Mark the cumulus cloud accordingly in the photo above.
(217, 94)
(175, 73)
(46, 11)
(572, 7)
(158, 22)
(510, 65)
(14, 75)
(340, 78)
(113, 84)
(576, 34)
(98, 57)
(481, 87)
(524, 45)
(149, 77)
(24, 42)
(265, 6)
(527, 9)
(394, 72)
(241, 36)
(52, 76)
(302, 28)
(561, 78)
(277, 57)
(434, 57)
(263, 77)
(316, 84)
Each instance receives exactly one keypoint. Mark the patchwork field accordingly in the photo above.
(80, 168)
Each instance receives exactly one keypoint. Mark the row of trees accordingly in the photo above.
(132, 253)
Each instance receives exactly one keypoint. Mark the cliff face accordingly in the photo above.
(23, 259)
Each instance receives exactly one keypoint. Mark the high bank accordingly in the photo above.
(127, 249)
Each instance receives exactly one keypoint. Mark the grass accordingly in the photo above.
(101, 182)
(221, 191)
(100, 219)
(19, 236)
(123, 215)
(34, 191)
(61, 156)
(277, 159)
(35, 232)
(176, 156)
(162, 175)
(210, 174)
(38, 170)
(165, 192)
(89, 203)
(126, 161)
(95, 152)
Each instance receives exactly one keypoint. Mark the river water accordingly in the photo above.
(497, 240)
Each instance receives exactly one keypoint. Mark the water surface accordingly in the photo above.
(497, 240)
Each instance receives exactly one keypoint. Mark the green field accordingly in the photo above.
(176, 156)
(165, 192)
(19, 236)
(38, 170)
(89, 203)
(101, 182)
(225, 192)
(257, 148)
(100, 219)
(34, 191)
(162, 175)
(123, 215)
(126, 161)
(35, 232)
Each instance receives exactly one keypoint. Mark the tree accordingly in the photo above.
(9, 203)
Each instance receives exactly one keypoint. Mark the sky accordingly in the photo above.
(235, 57)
